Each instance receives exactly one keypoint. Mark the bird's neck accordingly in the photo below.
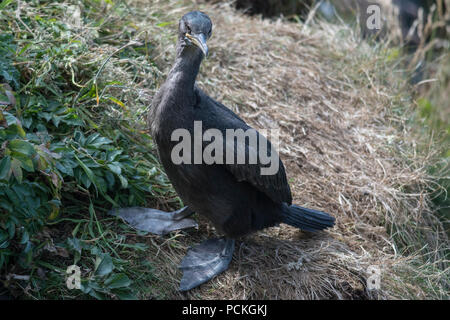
(186, 67)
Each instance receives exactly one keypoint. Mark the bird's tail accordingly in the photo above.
(306, 219)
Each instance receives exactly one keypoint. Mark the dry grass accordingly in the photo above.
(347, 149)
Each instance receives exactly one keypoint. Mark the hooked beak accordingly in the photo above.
(200, 41)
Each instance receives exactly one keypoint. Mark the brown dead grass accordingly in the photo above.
(346, 150)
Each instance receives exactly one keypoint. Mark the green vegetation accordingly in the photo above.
(433, 119)
(71, 149)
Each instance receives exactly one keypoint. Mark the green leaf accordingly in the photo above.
(120, 280)
(22, 147)
(110, 179)
(97, 295)
(16, 170)
(120, 103)
(85, 286)
(105, 267)
(4, 244)
(101, 184)
(5, 166)
(74, 244)
(115, 167)
(56, 120)
(3, 239)
(123, 181)
(4, 4)
(25, 238)
(3, 122)
(164, 24)
(7, 51)
(97, 142)
(124, 294)
(25, 162)
(111, 155)
(88, 172)
(85, 181)
(65, 169)
(11, 228)
(10, 119)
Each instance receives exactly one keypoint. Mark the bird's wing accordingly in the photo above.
(215, 115)
(274, 184)
(204, 100)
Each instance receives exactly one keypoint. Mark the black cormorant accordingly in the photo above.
(235, 197)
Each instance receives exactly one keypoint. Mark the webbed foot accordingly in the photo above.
(156, 221)
(205, 261)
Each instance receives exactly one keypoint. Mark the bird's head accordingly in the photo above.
(195, 29)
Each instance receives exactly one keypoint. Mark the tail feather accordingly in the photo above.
(306, 219)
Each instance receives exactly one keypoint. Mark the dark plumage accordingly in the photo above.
(237, 199)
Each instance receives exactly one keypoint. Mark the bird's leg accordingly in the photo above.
(182, 213)
(156, 221)
(204, 261)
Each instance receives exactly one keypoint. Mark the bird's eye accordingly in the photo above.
(188, 29)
